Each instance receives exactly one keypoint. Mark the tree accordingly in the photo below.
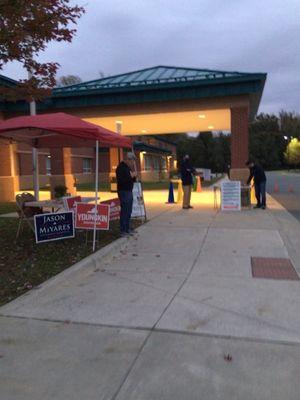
(206, 150)
(267, 142)
(289, 124)
(27, 26)
(292, 153)
(68, 80)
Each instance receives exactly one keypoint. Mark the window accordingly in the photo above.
(163, 163)
(87, 165)
(151, 163)
(48, 165)
(156, 163)
(148, 163)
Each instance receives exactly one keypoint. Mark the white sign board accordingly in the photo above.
(231, 196)
(138, 206)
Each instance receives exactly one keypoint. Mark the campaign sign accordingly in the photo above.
(85, 216)
(231, 196)
(115, 208)
(70, 202)
(54, 226)
(138, 206)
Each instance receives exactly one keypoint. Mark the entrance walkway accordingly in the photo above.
(175, 314)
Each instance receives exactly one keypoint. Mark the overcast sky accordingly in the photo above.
(116, 36)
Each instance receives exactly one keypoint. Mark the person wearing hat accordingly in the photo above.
(125, 179)
(187, 172)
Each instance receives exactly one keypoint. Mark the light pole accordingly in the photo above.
(288, 139)
(35, 159)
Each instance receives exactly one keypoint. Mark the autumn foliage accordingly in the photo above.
(26, 28)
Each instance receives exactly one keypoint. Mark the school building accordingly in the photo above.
(146, 105)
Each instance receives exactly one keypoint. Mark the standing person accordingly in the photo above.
(125, 179)
(187, 172)
(259, 177)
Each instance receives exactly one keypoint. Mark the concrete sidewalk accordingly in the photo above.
(174, 314)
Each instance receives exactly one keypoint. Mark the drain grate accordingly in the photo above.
(273, 268)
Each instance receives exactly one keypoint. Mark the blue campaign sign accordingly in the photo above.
(54, 226)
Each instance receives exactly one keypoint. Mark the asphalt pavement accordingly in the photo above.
(284, 186)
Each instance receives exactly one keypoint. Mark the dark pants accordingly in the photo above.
(126, 200)
(260, 193)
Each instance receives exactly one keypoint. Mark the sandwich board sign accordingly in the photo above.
(138, 206)
(85, 216)
(54, 226)
(231, 196)
(114, 208)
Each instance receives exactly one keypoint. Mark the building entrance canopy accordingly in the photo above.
(199, 120)
(162, 100)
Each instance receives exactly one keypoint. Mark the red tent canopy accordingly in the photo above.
(59, 130)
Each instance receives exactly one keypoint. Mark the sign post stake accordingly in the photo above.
(96, 193)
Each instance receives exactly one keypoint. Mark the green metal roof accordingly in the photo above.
(159, 75)
(7, 82)
(141, 146)
(151, 85)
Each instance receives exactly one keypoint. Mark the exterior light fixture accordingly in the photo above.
(144, 131)
(210, 127)
(143, 152)
(202, 116)
(119, 126)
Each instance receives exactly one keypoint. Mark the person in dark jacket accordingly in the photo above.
(187, 172)
(125, 179)
(259, 177)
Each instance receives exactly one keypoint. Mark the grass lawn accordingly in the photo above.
(26, 264)
(90, 187)
(7, 207)
(86, 187)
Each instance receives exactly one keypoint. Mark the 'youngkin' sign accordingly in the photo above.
(54, 226)
(114, 208)
(85, 216)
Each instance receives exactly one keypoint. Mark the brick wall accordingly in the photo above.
(239, 137)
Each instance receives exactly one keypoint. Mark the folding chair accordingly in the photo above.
(26, 213)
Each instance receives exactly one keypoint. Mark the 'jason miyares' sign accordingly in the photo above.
(54, 226)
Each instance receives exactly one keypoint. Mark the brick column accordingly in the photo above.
(115, 156)
(113, 159)
(9, 179)
(239, 143)
(61, 170)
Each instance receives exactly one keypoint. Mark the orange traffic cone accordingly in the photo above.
(291, 189)
(198, 189)
(276, 188)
